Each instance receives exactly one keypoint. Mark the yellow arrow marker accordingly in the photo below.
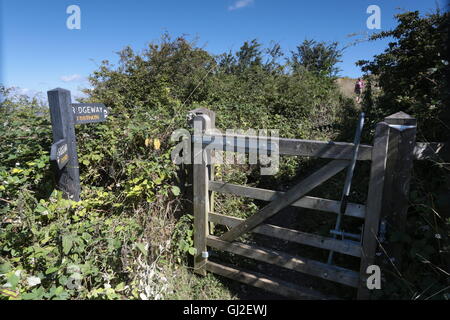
(157, 144)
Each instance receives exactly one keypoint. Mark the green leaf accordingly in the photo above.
(117, 243)
(51, 270)
(59, 290)
(176, 191)
(40, 208)
(120, 286)
(141, 248)
(29, 296)
(13, 280)
(5, 268)
(67, 244)
(192, 251)
(36, 294)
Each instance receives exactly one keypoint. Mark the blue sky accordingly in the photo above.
(38, 52)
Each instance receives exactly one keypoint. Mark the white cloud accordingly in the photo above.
(72, 78)
(27, 92)
(31, 93)
(24, 91)
(240, 4)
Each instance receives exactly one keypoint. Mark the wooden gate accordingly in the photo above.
(339, 153)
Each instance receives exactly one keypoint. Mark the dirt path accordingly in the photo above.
(347, 86)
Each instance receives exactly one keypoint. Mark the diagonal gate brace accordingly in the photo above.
(286, 199)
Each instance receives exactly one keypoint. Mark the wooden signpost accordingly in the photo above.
(64, 116)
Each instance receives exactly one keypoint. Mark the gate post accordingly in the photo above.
(387, 204)
(402, 140)
(212, 116)
(374, 205)
(202, 123)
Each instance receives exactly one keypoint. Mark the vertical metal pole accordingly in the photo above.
(348, 180)
(63, 127)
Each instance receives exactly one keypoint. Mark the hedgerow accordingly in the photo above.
(412, 75)
(133, 224)
(131, 235)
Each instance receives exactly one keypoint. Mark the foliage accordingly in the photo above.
(320, 58)
(111, 245)
(412, 76)
(183, 236)
(131, 236)
(123, 239)
(412, 72)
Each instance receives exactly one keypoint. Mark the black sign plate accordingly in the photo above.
(89, 112)
(60, 153)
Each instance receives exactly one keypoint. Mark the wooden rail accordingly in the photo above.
(435, 151)
(311, 267)
(262, 281)
(353, 209)
(348, 247)
(289, 147)
(287, 198)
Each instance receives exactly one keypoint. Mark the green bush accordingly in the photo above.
(412, 76)
(103, 246)
(132, 232)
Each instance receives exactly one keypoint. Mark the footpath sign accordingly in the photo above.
(65, 115)
(89, 112)
(60, 153)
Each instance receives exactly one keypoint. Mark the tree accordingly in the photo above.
(274, 53)
(167, 70)
(249, 55)
(227, 62)
(412, 72)
(320, 58)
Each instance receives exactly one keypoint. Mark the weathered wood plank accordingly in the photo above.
(311, 267)
(286, 199)
(264, 282)
(345, 247)
(374, 204)
(436, 151)
(292, 147)
(402, 138)
(323, 149)
(200, 198)
(353, 209)
(211, 159)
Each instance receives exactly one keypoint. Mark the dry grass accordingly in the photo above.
(347, 86)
